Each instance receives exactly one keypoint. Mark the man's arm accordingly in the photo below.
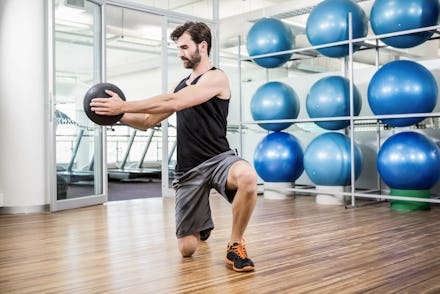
(211, 84)
(143, 121)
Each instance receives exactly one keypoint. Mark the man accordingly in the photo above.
(204, 158)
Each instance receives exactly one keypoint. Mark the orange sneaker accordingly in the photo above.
(236, 256)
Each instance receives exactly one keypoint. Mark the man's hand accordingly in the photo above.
(107, 106)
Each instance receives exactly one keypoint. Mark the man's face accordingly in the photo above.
(188, 51)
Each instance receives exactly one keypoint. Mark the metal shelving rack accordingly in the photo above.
(364, 43)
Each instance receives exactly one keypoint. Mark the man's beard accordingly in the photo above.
(193, 61)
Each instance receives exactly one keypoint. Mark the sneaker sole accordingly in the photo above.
(244, 269)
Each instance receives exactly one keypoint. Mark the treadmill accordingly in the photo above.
(124, 172)
(68, 173)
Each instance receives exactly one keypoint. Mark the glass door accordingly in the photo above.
(78, 142)
(133, 62)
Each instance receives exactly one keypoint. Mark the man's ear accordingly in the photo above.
(203, 45)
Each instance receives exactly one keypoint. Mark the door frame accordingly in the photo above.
(100, 132)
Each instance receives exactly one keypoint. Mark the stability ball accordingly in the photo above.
(270, 35)
(330, 97)
(389, 16)
(400, 87)
(327, 160)
(409, 161)
(279, 158)
(274, 100)
(98, 91)
(328, 23)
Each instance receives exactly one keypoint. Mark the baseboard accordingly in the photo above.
(24, 209)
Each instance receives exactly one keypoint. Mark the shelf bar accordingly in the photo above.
(355, 118)
(362, 195)
(351, 83)
(358, 40)
(240, 95)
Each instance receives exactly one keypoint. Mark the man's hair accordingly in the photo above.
(198, 31)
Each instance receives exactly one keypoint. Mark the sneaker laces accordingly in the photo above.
(240, 250)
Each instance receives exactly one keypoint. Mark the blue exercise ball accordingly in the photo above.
(400, 87)
(389, 16)
(327, 160)
(409, 161)
(275, 100)
(279, 158)
(270, 35)
(328, 23)
(330, 97)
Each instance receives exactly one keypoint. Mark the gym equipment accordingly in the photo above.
(327, 160)
(409, 161)
(272, 101)
(400, 87)
(69, 174)
(279, 158)
(127, 171)
(405, 205)
(270, 35)
(98, 91)
(62, 187)
(330, 97)
(328, 23)
(389, 16)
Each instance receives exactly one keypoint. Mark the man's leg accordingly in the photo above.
(243, 178)
(188, 245)
(192, 212)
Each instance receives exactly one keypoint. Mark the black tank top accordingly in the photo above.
(201, 130)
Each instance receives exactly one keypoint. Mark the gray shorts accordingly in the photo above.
(193, 213)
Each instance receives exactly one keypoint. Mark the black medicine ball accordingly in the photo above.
(98, 91)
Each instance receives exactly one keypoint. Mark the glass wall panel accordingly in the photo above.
(77, 67)
(134, 48)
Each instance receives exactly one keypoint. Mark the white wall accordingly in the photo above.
(22, 102)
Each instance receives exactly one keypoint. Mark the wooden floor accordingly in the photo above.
(297, 246)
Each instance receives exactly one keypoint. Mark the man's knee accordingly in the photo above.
(247, 180)
(188, 245)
